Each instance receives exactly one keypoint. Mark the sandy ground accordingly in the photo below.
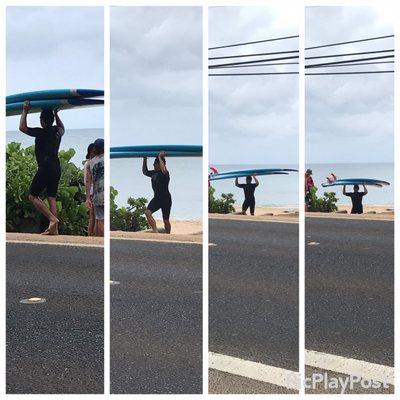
(191, 231)
(181, 231)
(61, 239)
(286, 214)
(280, 214)
(371, 212)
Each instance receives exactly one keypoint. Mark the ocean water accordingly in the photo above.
(78, 139)
(274, 190)
(185, 184)
(382, 171)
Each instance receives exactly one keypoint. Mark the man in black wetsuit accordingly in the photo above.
(248, 189)
(47, 143)
(162, 197)
(356, 198)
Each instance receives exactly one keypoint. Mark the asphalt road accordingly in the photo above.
(253, 292)
(349, 288)
(56, 346)
(156, 317)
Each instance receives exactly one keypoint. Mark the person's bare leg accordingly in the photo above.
(151, 220)
(53, 209)
(92, 221)
(167, 226)
(99, 227)
(43, 209)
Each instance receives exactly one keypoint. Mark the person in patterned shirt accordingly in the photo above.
(95, 177)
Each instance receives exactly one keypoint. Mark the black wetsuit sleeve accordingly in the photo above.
(34, 132)
(150, 173)
(241, 185)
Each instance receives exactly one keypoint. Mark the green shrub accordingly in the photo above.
(130, 218)
(21, 216)
(322, 204)
(224, 205)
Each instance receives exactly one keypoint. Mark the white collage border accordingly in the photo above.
(300, 5)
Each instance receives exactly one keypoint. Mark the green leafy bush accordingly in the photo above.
(322, 204)
(224, 205)
(21, 216)
(130, 218)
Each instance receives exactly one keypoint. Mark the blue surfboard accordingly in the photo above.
(256, 171)
(157, 148)
(140, 154)
(53, 94)
(216, 177)
(361, 179)
(38, 106)
(357, 181)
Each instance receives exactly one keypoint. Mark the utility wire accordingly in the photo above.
(307, 58)
(347, 61)
(259, 65)
(253, 55)
(348, 54)
(252, 62)
(296, 51)
(296, 63)
(351, 41)
(255, 73)
(349, 73)
(258, 41)
(314, 73)
(350, 65)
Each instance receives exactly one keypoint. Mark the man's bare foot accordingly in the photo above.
(52, 228)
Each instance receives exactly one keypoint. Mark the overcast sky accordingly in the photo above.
(56, 48)
(349, 118)
(156, 75)
(253, 119)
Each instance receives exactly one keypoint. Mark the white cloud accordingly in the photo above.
(253, 119)
(56, 47)
(156, 75)
(349, 118)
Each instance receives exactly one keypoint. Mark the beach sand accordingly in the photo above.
(290, 214)
(181, 231)
(273, 214)
(60, 239)
(371, 212)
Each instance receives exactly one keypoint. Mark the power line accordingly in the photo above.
(347, 61)
(349, 73)
(365, 63)
(255, 73)
(258, 65)
(253, 55)
(314, 73)
(307, 58)
(258, 41)
(349, 54)
(351, 41)
(252, 62)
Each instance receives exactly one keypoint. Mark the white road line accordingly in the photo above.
(155, 240)
(350, 366)
(254, 370)
(55, 243)
(291, 379)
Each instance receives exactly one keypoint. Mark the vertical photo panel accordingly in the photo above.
(156, 200)
(349, 194)
(54, 200)
(253, 200)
